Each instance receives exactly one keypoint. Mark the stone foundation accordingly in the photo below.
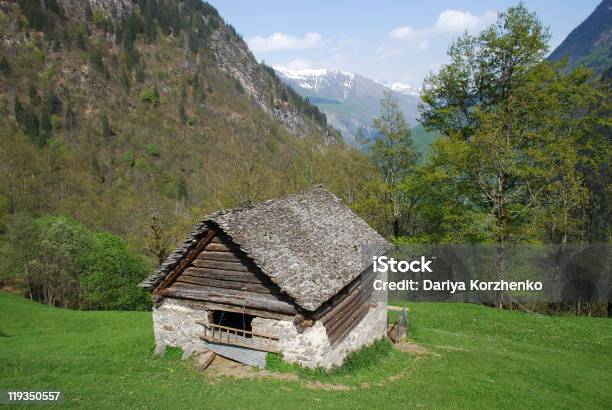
(174, 322)
(312, 348)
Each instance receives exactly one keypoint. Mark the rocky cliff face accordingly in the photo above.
(110, 8)
(234, 58)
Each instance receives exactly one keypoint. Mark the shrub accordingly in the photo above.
(111, 280)
(152, 150)
(69, 265)
(150, 95)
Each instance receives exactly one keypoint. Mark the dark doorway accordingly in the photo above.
(232, 319)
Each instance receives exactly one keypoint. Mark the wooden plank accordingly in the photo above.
(342, 318)
(217, 247)
(219, 256)
(216, 239)
(204, 360)
(348, 324)
(273, 305)
(187, 259)
(233, 266)
(365, 276)
(236, 330)
(227, 292)
(338, 308)
(239, 309)
(226, 284)
(346, 312)
(249, 277)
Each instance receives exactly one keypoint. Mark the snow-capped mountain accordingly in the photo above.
(336, 84)
(402, 88)
(349, 100)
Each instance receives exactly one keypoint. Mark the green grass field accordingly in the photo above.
(478, 358)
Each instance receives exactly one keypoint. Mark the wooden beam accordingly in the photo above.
(246, 310)
(219, 256)
(226, 284)
(223, 274)
(346, 312)
(348, 324)
(234, 266)
(365, 277)
(236, 298)
(217, 247)
(232, 292)
(332, 313)
(184, 263)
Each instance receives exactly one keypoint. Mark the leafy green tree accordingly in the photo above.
(33, 95)
(65, 264)
(46, 127)
(32, 125)
(393, 153)
(111, 282)
(509, 142)
(182, 192)
(63, 257)
(19, 111)
(483, 71)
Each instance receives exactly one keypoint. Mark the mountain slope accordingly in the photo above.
(350, 101)
(591, 42)
(123, 113)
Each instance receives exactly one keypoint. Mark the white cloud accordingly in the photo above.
(283, 42)
(455, 21)
(448, 22)
(403, 33)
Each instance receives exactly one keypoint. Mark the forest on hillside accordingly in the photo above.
(118, 130)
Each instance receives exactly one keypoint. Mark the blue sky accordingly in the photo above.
(391, 41)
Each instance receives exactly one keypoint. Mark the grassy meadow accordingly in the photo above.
(463, 356)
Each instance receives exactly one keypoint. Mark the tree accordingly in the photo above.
(107, 132)
(22, 235)
(160, 240)
(71, 119)
(32, 125)
(483, 72)
(393, 153)
(19, 111)
(506, 124)
(62, 259)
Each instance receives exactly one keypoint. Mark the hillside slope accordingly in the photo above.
(591, 42)
(123, 113)
(471, 357)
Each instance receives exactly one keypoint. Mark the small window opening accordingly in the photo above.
(235, 320)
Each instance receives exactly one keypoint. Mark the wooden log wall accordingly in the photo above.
(347, 308)
(221, 274)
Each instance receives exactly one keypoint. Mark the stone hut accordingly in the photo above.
(291, 275)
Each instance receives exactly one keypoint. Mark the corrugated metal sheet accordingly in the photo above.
(239, 354)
